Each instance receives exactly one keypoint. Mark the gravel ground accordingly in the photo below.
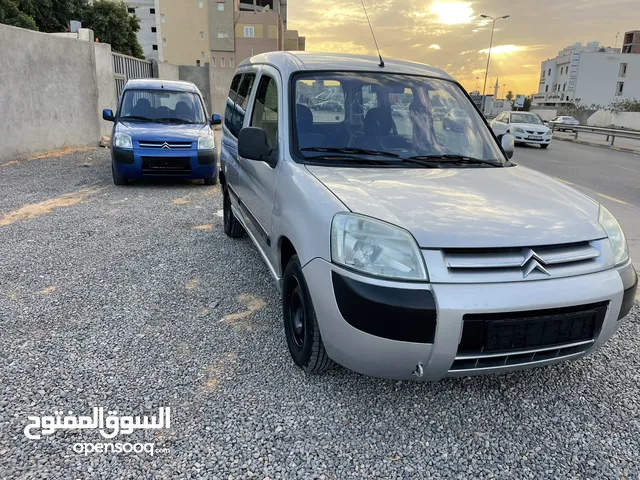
(132, 298)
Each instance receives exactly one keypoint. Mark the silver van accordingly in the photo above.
(404, 248)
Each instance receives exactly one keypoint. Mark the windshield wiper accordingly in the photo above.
(349, 150)
(450, 158)
(136, 117)
(172, 120)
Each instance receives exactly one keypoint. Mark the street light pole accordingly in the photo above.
(486, 71)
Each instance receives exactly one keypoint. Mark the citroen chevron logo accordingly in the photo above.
(165, 145)
(532, 261)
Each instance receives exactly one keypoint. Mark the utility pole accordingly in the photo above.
(486, 71)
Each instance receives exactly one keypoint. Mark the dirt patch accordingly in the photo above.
(215, 373)
(202, 227)
(180, 201)
(52, 154)
(48, 291)
(34, 210)
(241, 322)
(192, 284)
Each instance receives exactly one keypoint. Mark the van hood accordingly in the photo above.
(468, 207)
(162, 131)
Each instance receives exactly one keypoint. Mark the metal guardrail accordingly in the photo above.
(611, 133)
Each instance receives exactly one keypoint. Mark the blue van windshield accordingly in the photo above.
(161, 106)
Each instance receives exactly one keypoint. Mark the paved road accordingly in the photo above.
(610, 177)
(132, 298)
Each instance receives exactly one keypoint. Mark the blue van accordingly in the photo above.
(161, 129)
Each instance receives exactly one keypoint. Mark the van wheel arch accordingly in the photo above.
(287, 250)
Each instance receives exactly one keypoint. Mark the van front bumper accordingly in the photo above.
(142, 163)
(408, 331)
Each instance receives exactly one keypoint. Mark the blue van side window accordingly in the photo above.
(237, 102)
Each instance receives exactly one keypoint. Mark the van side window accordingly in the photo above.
(236, 103)
(265, 109)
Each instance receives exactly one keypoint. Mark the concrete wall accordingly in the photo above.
(220, 84)
(48, 92)
(107, 97)
(166, 71)
(545, 113)
(602, 118)
(199, 76)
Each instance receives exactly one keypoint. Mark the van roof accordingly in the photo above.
(157, 84)
(291, 62)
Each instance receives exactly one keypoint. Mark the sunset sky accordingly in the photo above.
(452, 36)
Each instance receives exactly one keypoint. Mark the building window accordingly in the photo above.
(164, 42)
(201, 35)
(249, 31)
(544, 73)
(202, 55)
(623, 69)
(222, 61)
(162, 17)
(619, 88)
(152, 11)
(564, 87)
(154, 29)
(213, 61)
(231, 64)
(155, 47)
(200, 3)
(546, 89)
(549, 72)
(131, 10)
(221, 7)
(197, 63)
(223, 35)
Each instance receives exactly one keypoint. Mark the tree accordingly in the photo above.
(52, 15)
(111, 23)
(509, 95)
(10, 14)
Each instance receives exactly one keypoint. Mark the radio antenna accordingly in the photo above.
(381, 64)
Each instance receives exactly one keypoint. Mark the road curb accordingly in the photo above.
(592, 144)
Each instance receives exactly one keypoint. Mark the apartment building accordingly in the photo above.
(148, 37)
(593, 74)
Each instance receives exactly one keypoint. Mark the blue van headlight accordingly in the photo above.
(122, 140)
(205, 143)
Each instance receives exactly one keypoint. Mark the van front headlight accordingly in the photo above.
(122, 140)
(205, 142)
(376, 248)
(616, 236)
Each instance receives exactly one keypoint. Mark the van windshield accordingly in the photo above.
(404, 116)
(161, 106)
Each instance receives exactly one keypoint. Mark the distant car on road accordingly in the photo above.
(563, 123)
(161, 129)
(525, 127)
(329, 105)
(456, 120)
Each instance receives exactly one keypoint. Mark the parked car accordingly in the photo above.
(563, 123)
(329, 105)
(415, 255)
(526, 127)
(161, 130)
(457, 120)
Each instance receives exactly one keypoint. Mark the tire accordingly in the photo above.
(546, 145)
(300, 322)
(211, 181)
(232, 227)
(117, 179)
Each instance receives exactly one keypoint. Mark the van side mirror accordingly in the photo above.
(253, 145)
(216, 119)
(108, 115)
(508, 144)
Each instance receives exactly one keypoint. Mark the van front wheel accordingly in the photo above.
(300, 322)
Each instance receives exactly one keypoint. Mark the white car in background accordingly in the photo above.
(563, 122)
(526, 127)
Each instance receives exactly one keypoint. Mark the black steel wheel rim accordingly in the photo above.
(296, 315)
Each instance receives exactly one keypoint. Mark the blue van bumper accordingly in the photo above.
(143, 163)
